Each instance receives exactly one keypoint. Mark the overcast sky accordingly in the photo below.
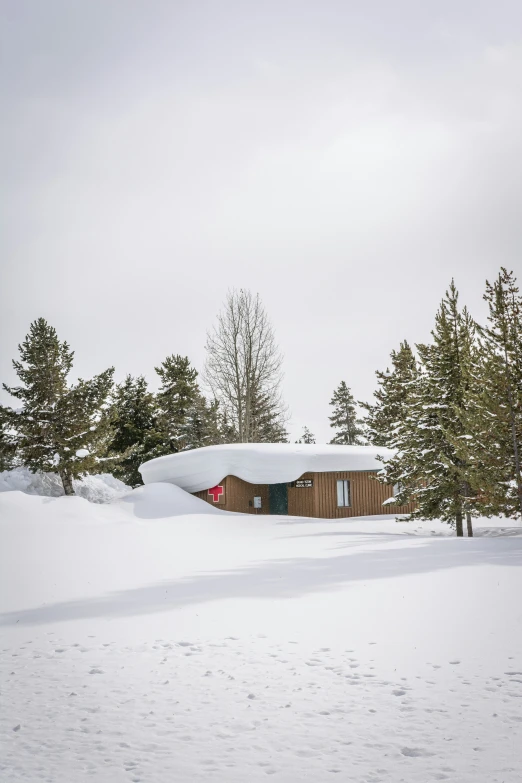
(343, 159)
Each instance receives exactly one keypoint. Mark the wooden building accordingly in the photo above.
(332, 495)
(328, 482)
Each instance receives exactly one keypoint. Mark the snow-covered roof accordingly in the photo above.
(257, 463)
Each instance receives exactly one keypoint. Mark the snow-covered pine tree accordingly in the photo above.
(134, 427)
(344, 418)
(306, 437)
(177, 396)
(392, 396)
(184, 420)
(494, 421)
(59, 428)
(428, 467)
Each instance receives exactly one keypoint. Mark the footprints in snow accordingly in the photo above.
(240, 707)
(416, 753)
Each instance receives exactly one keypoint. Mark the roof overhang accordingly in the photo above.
(258, 463)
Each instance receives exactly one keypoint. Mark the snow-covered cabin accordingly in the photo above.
(328, 482)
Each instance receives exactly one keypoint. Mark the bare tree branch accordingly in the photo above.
(244, 366)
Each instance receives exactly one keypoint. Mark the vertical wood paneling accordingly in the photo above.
(367, 496)
(238, 494)
(301, 500)
(222, 500)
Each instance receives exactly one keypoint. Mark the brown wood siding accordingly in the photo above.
(302, 500)
(222, 500)
(366, 495)
(238, 495)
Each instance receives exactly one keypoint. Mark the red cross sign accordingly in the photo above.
(216, 493)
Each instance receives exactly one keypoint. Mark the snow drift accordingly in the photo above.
(161, 500)
(96, 489)
(258, 463)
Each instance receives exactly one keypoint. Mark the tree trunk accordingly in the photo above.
(67, 482)
(467, 494)
(458, 523)
(518, 474)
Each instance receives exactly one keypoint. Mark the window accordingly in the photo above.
(343, 493)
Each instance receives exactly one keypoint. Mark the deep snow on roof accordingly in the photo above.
(258, 463)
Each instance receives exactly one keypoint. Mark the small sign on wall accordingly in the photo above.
(257, 502)
(301, 483)
(217, 493)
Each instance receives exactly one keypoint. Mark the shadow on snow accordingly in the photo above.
(280, 579)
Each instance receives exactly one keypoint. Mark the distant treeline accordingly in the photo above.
(451, 409)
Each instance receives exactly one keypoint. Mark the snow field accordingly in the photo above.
(157, 639)
(236, 709)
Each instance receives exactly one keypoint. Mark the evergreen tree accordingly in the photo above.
(494, 421)
(184, 420)
(7, 443)
(60, 428)
(306, 437)
(389, 411)
(225, 429)
(267, 422)
(134, 426)
(429, 467)
(204, 423)
(344, 418)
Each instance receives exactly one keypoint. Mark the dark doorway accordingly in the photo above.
(278, 498)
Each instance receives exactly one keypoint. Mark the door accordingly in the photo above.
(278, 498)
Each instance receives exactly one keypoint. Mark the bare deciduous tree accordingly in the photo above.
(244, 368)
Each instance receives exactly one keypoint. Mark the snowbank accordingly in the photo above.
(257, 463)
(161, 500)
(96, 489)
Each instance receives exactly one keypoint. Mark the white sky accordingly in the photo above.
(343, 159)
